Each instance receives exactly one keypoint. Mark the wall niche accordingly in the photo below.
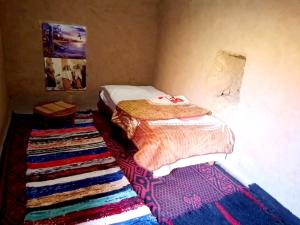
(225, 78)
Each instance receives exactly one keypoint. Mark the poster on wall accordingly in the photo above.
(64, 50)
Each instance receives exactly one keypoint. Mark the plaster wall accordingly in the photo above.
(266, 119)
(121, 43)
(4, 100)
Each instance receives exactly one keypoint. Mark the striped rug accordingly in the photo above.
(72, 178)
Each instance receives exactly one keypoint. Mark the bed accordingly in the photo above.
(168, 135)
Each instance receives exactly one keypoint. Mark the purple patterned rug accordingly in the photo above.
(181, 191)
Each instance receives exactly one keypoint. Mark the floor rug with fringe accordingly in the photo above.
(72, 178)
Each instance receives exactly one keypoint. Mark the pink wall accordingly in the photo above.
(266, 120)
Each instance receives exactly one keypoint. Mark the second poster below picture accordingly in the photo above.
(64, 50)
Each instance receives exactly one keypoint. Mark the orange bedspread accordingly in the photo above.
(143, 110)
(160, 144)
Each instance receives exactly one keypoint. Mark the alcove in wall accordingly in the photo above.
(225, 78)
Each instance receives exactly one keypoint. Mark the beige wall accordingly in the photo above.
(4, 101)
(120, 46)
(266, 120)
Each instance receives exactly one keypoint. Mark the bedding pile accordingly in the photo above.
(72, 178)
(165, 134)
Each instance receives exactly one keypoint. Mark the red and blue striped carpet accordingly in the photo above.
(72, 178)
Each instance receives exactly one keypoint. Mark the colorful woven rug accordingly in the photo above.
(72, 178)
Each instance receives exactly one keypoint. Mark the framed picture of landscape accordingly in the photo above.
(64, 51)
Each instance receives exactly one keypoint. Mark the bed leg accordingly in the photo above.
(211, 163)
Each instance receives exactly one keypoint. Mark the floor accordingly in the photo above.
(195, 186)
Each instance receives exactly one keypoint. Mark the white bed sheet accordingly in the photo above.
(166, 170)
(112, 94)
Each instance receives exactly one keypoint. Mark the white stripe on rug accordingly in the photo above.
(74, 177)
(122, 217)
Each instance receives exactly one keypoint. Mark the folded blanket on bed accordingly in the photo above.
(161, 143)
(73, 179)
(143, 110)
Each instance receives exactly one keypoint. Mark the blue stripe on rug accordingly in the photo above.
(206, 215)
(37, 192)
(83, 125)
(75, 201)
(37, 127)
(246, 211)
(93, 203)
(64, 155)
(143, 220)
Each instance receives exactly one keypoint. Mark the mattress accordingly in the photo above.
(112, 94)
